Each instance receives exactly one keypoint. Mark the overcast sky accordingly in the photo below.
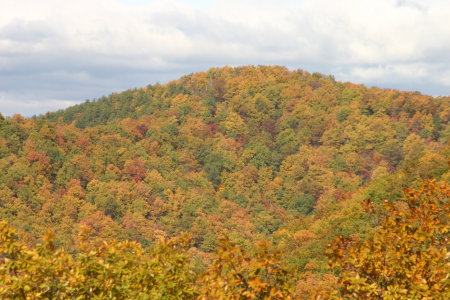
(55, 53)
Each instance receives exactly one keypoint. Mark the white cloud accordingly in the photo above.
(82, 49)
(28, 105)
(411, 72)
(444, 78)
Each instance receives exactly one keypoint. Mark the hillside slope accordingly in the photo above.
(261, 153)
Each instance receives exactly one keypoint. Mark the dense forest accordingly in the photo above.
(234, 183)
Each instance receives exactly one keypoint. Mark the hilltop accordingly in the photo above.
(258, 153)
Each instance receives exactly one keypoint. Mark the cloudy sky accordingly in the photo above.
(55, 53)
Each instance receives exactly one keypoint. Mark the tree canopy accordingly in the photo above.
(252, 153)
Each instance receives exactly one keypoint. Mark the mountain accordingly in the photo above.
(258, 153)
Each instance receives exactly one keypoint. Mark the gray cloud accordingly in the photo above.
(55, 53)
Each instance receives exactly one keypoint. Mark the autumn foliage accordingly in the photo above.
(280, 162)
(124, 270)
(408, 257)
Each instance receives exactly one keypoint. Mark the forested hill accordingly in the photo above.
(276, 84)
(256, 153)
